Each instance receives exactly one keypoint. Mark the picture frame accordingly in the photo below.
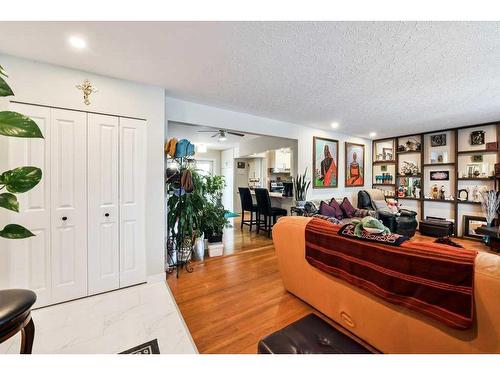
(438, 140)
(439, 175)
(477, 137)
(470, 224)
(477, 158)
(354, 164)
(463, 195)
(325, 167)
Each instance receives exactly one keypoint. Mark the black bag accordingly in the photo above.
(436, 227)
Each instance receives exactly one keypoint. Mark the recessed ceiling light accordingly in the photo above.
(77, 42)
(373, 134)
(334, 125)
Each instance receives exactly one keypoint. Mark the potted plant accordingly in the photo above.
(301, 187)
(21, 179)
(213, 219)
(184, 213)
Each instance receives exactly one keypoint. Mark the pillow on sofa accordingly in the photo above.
(347, 208)
(339, 214)
(326, 210)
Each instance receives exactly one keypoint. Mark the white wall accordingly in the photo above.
(51, 85)
(212, 155)
(193, 113)
(227, 170)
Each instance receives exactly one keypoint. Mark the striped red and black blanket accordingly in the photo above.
(433, 279)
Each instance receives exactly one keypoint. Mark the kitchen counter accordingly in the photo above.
(277, 200)
(273, 195)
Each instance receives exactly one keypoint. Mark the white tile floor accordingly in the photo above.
(110, 323)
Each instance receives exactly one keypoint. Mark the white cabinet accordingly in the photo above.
(103, 204)
(280, 159)
(88, 211)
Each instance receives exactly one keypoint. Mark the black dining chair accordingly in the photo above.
(265, 209)
(247, 205)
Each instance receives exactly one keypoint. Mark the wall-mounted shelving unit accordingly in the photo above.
(452, 153)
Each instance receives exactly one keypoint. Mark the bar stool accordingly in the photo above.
(247, 205)
(270, 213)
(15, 316)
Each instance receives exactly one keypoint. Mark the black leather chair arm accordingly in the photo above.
(408, 213)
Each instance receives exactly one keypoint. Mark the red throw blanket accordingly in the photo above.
(436, 280)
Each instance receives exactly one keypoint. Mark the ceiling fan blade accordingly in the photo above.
(215, 135)
(237, 134)
(208, 131)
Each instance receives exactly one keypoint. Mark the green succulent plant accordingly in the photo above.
(21, 179)
(301, 186)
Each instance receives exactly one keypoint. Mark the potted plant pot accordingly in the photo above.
(199, 248)
(214, 237)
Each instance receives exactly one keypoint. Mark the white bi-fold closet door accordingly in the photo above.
(87, 212)
(116, 173)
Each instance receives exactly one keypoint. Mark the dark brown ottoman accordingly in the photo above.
(309, 335)
(436, 227)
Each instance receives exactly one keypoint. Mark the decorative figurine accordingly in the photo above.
(435, 191)
(442, 193)
(87, 89)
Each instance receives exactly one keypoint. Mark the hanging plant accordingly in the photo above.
(21, 179)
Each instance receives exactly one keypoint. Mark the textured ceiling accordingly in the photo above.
(389, 77)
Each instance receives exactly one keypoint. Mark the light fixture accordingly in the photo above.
(77, 42)
(222, 136)
(201, 148)
(334, 125)
(373, 134)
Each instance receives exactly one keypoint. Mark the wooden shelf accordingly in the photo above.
(476, 179)
(384, 162)
(383, 184)
(439, 200)
(419, 175)
(409, 152)
(438, 164)
(468, 202)
(409, 198)
(483, 151)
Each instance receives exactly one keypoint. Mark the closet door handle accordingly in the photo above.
(64, 218)
(106, 214)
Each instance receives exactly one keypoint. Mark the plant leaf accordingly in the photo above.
(14, 231)
(9, 201)
(5, 89)
(13, 124)
(21, 179)
(2, 71)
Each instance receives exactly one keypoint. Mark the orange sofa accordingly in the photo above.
(387, 327)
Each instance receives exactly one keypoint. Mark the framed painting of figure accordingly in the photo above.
(354, 164)
(325, 163)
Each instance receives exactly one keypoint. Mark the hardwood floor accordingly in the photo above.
(229, 303)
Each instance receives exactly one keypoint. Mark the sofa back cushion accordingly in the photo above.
(347, 208)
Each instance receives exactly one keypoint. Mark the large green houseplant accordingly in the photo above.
(185, 209)
(21, 179)
(214, 214)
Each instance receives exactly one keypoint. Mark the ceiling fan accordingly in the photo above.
(221, 133)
